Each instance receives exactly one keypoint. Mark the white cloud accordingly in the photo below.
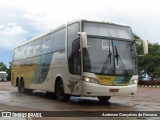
(1, 27)
(40, 15)
(24, 19)
(155, 34)
(11, 35)
(15, 28)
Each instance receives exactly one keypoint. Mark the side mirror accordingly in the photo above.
(83, 38)
(145, 47)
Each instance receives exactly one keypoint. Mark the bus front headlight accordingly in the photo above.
(91, 80)
(134, 81)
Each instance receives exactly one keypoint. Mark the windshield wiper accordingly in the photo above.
(118, 56)
(133, 55)
(106, 62)
(109, 55)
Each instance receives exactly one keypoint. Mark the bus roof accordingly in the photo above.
(62, 26)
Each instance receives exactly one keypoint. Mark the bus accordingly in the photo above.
(80, 58)
(3, 76)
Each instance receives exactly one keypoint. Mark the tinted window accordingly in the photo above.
(46, 60)
(109, 30)
(47, 44)
(59, 40)
(37, 61)
(37, 47)
(19, 53)
(73, 48)
(15, 54)
(24, 63)
(29, 50)
(22, 51)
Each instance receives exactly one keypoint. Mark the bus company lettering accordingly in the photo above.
(105, 79)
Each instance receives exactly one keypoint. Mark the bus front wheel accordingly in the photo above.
(60, 91)
(103, 98)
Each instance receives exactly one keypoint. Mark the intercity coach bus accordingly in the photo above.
(80, 58)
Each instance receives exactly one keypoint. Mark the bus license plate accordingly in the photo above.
(113, 90)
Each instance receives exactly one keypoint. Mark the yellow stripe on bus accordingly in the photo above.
(105, 79)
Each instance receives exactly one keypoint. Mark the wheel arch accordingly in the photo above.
(61, 93)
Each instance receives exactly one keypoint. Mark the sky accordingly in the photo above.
(20, 20)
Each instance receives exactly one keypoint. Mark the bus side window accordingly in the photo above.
(37, 47)
(47, 44)
(15, 54)
(59, 40)
(73, 45)
(29, 50)
(76, 57)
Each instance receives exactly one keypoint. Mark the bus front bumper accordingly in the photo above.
(92, 89)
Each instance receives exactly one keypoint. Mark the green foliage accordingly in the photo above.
(150, 63)
(9, 72)
(3, 67)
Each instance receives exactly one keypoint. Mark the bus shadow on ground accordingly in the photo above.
(81, 102)
(87, 101)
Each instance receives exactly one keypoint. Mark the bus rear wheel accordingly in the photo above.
(60, 92)
(103, 98)
(21, 87)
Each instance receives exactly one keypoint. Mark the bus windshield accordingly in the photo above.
(104, 56)
(110, 49)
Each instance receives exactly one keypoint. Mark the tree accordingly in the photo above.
(3, 66)
(9, 72)
(149, 64)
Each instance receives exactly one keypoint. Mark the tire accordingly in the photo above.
(21, 87)
(103, 98)
(60, 91)
(22, 90)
